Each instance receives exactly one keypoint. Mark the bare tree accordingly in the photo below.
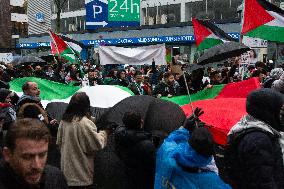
(59, 5)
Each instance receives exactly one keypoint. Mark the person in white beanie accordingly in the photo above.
(278, 85)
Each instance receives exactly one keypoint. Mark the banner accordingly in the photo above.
(133, 56)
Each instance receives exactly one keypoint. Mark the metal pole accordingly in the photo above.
(187, 89)
(206, 6)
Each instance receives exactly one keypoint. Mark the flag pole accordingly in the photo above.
(189, 97)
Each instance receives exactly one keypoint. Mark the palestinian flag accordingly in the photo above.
(208, 35)
(101, 96)
(75, 45)
(62, 48)
(263, 20)
(223, 105)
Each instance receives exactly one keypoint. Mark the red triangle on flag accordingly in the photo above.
(60, 43)
(254, 16)
(200, 32)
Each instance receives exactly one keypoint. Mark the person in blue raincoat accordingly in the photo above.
(185, 157)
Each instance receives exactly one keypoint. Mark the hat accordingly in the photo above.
(3, 94)
(264, 104)
(202, 142)
(278, 85)
(276, 73)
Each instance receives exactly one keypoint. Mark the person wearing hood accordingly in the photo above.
(185, 159)
(254, 152)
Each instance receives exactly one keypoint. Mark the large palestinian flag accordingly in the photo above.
(224, 105)
(60, 48)
(208, 35)
(263, 20)
(102, 96)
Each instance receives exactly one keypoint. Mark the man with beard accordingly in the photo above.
(137, 86)
(25, 154)
(166, 87)
(93, 77)
(39, 73)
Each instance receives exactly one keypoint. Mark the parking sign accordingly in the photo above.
(112, 13)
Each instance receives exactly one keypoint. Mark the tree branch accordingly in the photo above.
(61, 6)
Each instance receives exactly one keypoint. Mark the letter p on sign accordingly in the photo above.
(97, 10)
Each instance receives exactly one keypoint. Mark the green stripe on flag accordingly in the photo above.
(69, 55)
(202, 95)
(49, 90)
(125, 89)
(208, 43)
(270, 33)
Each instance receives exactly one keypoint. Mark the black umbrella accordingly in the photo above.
(26, 59)
(160, 118)
(57, 109)
(156, 113)
(222, 51)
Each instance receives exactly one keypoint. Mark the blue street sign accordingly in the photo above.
(97, 15)
(127, 41)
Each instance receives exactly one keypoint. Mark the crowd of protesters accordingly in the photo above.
(152, 79)
(254, 158)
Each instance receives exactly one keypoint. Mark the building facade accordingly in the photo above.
(13, 23)
(161, 21)
(39, 15)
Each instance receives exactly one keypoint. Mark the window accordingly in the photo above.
(213, 9)
(172, 12)
(76, 5)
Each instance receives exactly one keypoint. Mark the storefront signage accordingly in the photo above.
(126, 41)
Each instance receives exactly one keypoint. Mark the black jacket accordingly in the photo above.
(120, 82)
(164, 89)
(52, 178)
(136, 150)
(254, 158)
(136, 88)
(262, 166)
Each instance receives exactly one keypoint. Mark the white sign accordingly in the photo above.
(17, 3)
(15, 17)
(254, 42)
(133, 56)
(6, 57)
